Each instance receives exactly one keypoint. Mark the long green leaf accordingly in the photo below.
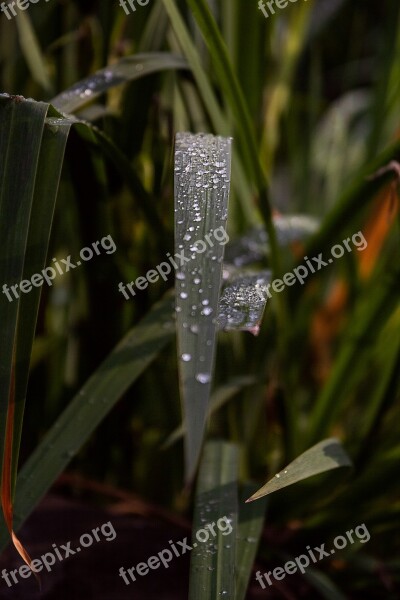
(202, 178)
(322, 457)
(48, 175)
(22, 126)
(127, 69)
(212, 566)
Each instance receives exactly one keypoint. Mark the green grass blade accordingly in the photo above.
(202, 179)
(127, 69)
(228, 82)
(388, 351)
(324, 456)
(48, 175)
(22, 127)
(89, 407)
(212, 566)
(32, 52)
(216, 115)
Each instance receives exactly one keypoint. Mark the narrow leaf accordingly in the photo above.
(212, 566)
(324, 456)
(127, 69)
(32, 51)
(202, 178)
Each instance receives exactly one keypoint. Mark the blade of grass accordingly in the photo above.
(32, 52)
(216, 115)
(127, 69)
(202, 178)
(212, 565)
(48, 175)
(324, 456)
(237, 103)
(23, 127)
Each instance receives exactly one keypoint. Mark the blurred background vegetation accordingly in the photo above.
(322, 84)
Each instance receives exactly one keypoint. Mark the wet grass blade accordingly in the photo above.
(328, 454)
(127, 69)
(202, 178)
(212, 567)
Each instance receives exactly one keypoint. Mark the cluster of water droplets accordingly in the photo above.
(243, 300)
(202, 175)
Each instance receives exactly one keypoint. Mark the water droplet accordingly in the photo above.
(186, 357)
(203, 377)
(206, 311)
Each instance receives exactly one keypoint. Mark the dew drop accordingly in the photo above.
(203, 377)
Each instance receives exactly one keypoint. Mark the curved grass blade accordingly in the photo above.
(127, 69)
(23, 123)
(242, 302)
(202, 178)
(324, 456)
(89, 407)
(212, 565)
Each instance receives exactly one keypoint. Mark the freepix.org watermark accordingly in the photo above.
(49, 273)
(8, 8)
(317, 263)
(270, 4)
(164, 269)
(302, 562)
(132, 4)
(165, 556)
(60, 553)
